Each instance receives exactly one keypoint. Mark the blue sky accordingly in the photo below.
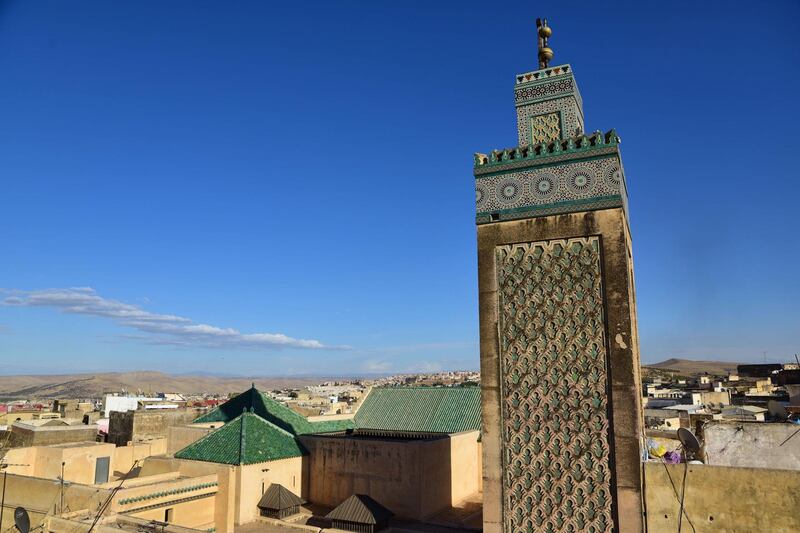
(259, 188)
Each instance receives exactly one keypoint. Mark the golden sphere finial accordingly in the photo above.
(545, 52)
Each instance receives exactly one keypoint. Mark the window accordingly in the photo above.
(168, 515)
(101, 468)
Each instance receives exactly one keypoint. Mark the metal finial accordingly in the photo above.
(544, 33)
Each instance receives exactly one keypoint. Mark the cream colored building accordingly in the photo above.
(415, 450)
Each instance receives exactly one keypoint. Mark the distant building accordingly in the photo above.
(147, 424)
(753, 445)
(50, 431)
(759, 370)
(417, 449)
(711, 398)
(744, 413)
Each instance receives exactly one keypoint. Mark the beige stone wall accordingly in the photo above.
(14, 416)
(465, 466)
(722, 498)
(196, 514)
(622, 352)
(386, 470)
(413, 479)
(194, 507)
(47, 435)
(132, 426)
(80, 461)
(752, 444)
(179, 437)
(124, 456)
(225, 501)
(252, 480)
(41, 497)
(108, 525)
(45, 461)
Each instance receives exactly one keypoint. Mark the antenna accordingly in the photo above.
(21, 520)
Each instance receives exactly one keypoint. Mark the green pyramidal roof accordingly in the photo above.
(423, 409)
(273, 411)
(244, 440)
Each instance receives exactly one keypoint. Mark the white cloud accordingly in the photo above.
(376, 366)
(158, 328)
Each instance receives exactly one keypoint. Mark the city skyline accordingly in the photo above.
(295, 193)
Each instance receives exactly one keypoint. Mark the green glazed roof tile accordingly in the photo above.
(272, 411)
(422, 409)
(244, 440)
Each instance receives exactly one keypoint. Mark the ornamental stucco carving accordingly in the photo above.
(555, 428)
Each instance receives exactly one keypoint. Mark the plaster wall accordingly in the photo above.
(179, 437)
(41, 497)
(465, 466)
(705, 398)
(196, 514)
(253, 480)
(141, 425)
(45, 435)
(124, 456)
(191, 499)
(225, 502)
(752, 444)
(18, 416)
(412, 478)
(387, 470)
(720, 498)
(80, 459)
(108, 525)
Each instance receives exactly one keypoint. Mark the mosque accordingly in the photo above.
(550, 442)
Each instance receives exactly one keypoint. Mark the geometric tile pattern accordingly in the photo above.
(571, 114)
(555, 428)
(545, 128)
(544, 186)
(543, 90)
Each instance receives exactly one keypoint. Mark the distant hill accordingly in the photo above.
(688, 367)
(97, 385)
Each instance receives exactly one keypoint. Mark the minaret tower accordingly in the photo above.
(559, 347)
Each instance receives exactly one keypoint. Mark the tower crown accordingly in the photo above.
(556, 167)
(549, 106)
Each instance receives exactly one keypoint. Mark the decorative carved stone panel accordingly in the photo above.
(555, 426)
(545, 128)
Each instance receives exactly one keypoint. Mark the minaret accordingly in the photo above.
(562, 422)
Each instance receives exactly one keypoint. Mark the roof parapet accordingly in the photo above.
(543, 74)
(579, 143)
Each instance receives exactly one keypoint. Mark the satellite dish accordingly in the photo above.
(22, 520)
(689, 441)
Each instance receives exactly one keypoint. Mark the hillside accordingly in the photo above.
(689, 367)
(97, 385)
